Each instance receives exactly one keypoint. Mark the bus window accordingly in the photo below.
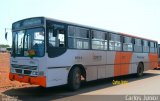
(151, 47)
(78, 37)
(138, 45)
(56, 42)
(99, 40)
(159, 50)
(156, 47)
(115, 42)
(56, 37)
(52, 38)
(61, 38)
(145, 46)
(19, 35)
(127, 45)
(34, 39)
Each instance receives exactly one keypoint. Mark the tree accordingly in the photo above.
(4, 46)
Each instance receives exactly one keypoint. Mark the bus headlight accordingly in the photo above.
(13, 70)
(34, 73)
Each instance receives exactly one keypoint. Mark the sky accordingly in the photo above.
(134, 17)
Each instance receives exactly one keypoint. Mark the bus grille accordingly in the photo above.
(19, 71)
(27, 72)
(24, 67)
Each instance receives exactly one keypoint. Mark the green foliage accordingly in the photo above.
(4, 46)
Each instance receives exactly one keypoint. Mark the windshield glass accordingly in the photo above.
(29, 39)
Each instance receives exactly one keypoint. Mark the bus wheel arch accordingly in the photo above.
(74, 81)
(83, 71)
(140, 69)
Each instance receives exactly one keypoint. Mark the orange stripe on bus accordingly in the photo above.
(117, 62)
(125, 60)
(153, 60)
(39, 80)
(122, 62)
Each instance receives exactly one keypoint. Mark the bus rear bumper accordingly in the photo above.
(38, 80)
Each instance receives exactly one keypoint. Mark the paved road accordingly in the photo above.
(146, 85)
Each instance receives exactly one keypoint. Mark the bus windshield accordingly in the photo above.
(28, 39)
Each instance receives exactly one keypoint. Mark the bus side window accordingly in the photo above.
(155, 47)
(127, 44)
(78, 37)
(138, 45)
(152, 47)
(61, 38)
(56, 37)
(159, 50)
(52, 37)
(99, 40)
(115, 42)
(145, 46)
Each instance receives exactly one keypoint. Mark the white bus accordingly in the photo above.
(49, 52)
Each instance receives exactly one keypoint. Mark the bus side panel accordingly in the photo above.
(102, 72)
(93, 61)
(96, 65)
(56, 76)
(136, 58)
(91, 73)
(134, 64)
(126, 58)
(109, 71)
(117, 64)
(153, 59)
(57, 72)
(122, 63)
(110, 64)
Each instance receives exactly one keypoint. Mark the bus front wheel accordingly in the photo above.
(74, 79)
(140, 70)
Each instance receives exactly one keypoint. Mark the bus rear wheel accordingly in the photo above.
(140, 70)
(74, 79)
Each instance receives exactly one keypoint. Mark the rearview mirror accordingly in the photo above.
(6, 34)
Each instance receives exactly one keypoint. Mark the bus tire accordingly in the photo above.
(74, 79)
(140, 70)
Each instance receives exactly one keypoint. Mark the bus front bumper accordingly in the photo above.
(38, 80)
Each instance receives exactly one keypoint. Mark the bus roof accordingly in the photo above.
(137, 37)
(129, 35)
(91, 27)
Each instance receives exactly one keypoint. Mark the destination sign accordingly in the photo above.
(28, 23)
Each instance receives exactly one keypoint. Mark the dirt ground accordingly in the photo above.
(4, 60)
(5, 83)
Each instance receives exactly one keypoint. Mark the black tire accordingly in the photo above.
(140, 70)
(74, 79)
